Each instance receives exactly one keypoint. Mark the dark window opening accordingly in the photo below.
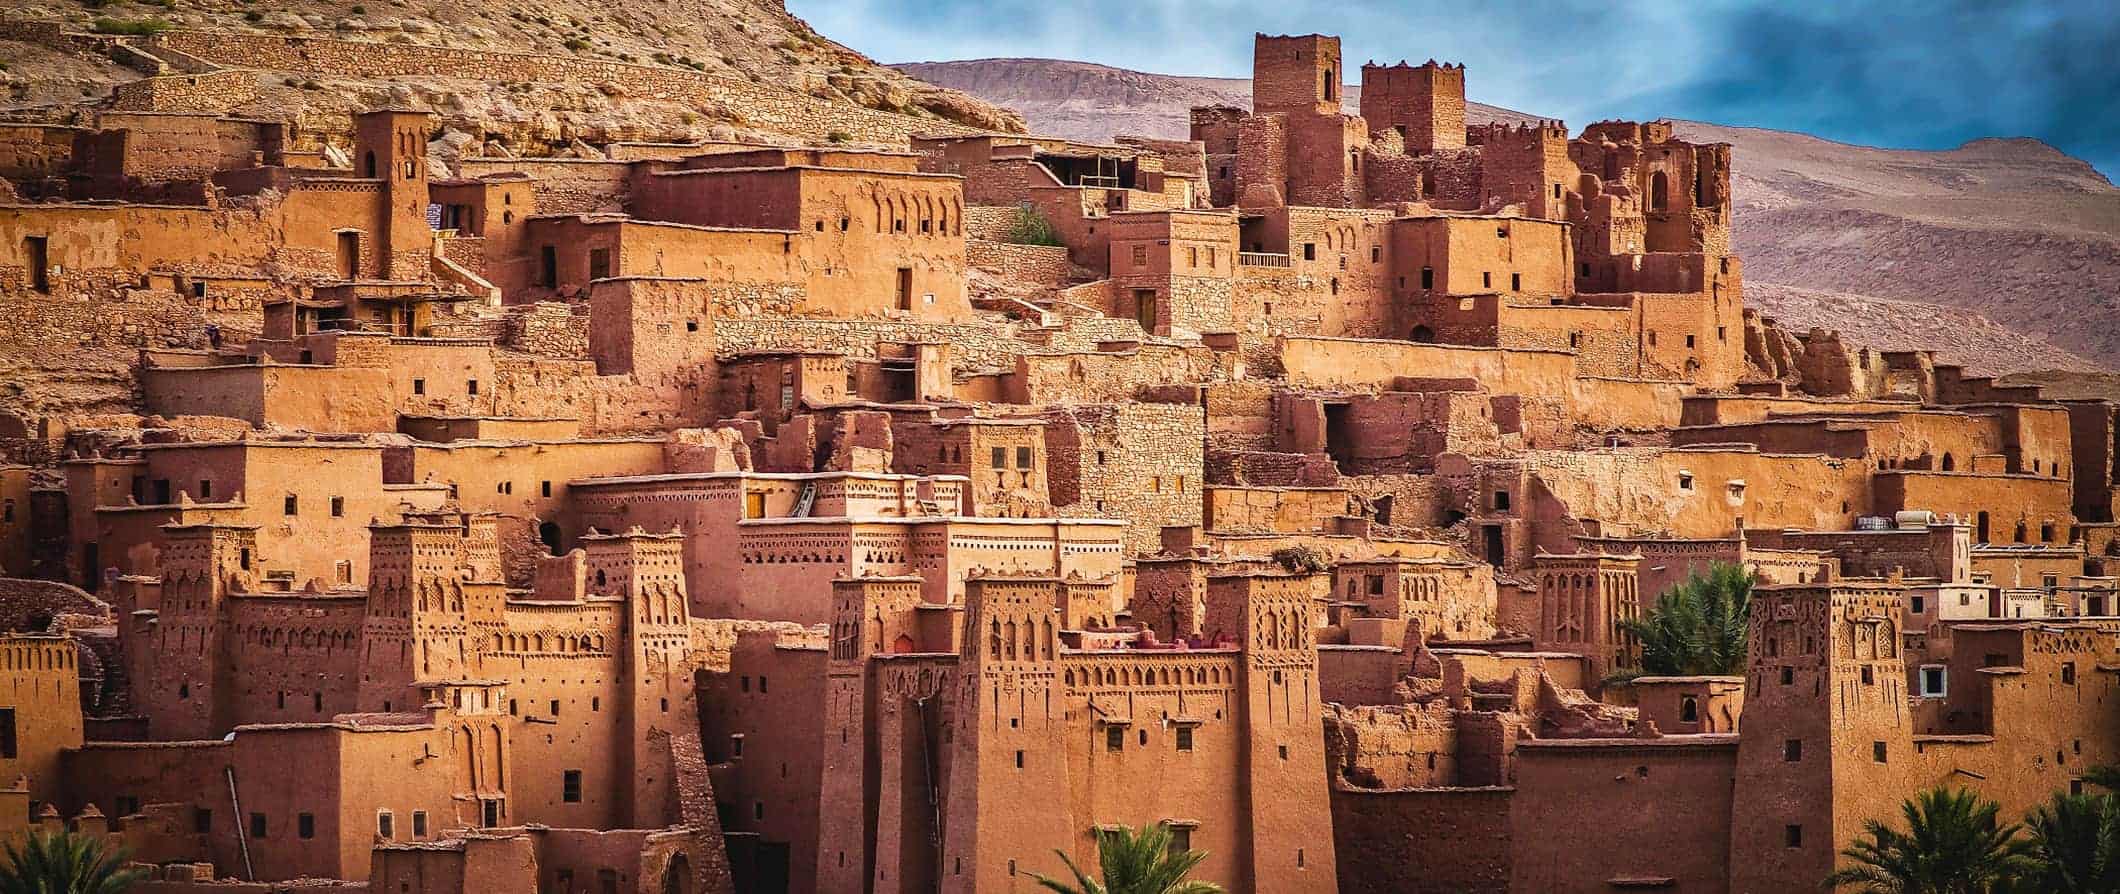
(570, 787)
(36, 251)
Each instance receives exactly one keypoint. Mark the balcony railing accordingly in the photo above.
(1261, 259)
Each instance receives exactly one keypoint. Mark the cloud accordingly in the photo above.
(1895, 73)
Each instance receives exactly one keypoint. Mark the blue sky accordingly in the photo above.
(1924, 75)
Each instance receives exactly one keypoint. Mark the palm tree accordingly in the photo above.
(1953, 845)
(2075, 841)
(1697, 627)
(1135, 861)
(65, 863)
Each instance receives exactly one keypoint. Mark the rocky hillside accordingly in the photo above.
(749, 43)
(2002, 254)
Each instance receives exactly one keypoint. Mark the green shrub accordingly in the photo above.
(360, 10)
(253, 16)
(135, 27)
(838, 136)
(1031, 228)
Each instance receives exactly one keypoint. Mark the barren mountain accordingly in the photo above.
(1993, 253)
(752, 43)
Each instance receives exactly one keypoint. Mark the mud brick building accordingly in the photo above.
(669, 515)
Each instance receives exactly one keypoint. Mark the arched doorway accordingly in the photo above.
(1423, 335)
(677, 877)
(1659, 191)
(548, 534)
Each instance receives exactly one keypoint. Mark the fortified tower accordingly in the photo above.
(1003, 816)
(391, 145)
(646, 573)
(1273, 618)
(1424, 103)
(1826, 714)
(1295, 75)
(870, 616)
(416, 628)
(191, 695)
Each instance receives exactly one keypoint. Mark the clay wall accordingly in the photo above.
(1697, 493)
(1678, 789)
(561, 185)
(765, 719)
(857, 228)
(334, 490)
(2003, 508)
(1424, 840)
(40, 715)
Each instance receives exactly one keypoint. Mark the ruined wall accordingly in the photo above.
(1140, 462)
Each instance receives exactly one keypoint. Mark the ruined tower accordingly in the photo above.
(1424, 103)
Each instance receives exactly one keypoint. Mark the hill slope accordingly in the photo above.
(2018, 243)
(753, 44)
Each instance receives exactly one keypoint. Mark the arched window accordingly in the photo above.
(368, 164)
(1659, 191)
(1949, 462)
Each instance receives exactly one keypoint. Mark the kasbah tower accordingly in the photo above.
(868, 501)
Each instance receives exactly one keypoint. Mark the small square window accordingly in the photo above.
(1792, 750)
(1114, 738)
(1792, 836)
(999, 456)
(1878, 752)
(305, 825)
(385, 824)
(338, 507)
(1023, 457)
(419, 386)
(419, 824)
(570, 786)
(291, 505)
(1788, 676)
(257, 825)
(1185, 738)
(1934, 681)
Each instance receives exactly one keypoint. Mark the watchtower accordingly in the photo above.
(391, 145)
(1424, 103)
(1295, 74)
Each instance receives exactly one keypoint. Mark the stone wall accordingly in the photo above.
(210, 92)
(1041, 264)
(973, 346)
(30, 606)
(1139, 462)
